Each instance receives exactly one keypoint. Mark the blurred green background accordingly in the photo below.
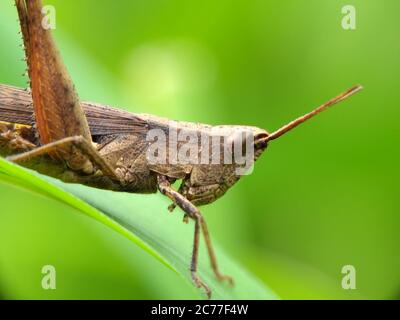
(324, 196)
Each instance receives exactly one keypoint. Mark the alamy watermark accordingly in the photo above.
(49, 17)
(349, 18)
(49, 278)
(349, 279)
(211, 146)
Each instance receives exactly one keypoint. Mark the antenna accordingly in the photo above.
(276, 134)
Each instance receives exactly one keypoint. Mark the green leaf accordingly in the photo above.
(146, 222)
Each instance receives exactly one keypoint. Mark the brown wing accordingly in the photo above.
(16, 107)
(105, 120)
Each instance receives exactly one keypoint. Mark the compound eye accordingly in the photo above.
(261, 136)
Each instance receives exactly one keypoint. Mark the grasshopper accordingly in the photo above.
(48, 129)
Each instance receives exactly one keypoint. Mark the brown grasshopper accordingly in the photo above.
(107, 148)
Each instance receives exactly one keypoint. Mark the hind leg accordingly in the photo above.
(85, 147)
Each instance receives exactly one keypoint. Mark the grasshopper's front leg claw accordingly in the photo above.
(229, 279)
(186, 217)
(200, 284)
(172, 207)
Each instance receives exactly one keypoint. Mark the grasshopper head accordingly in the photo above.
(223, 178)
(260, 141)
